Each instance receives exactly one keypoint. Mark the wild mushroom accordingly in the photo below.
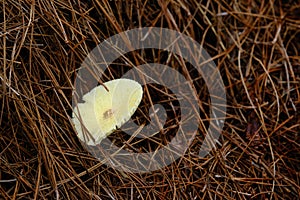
(105, 109)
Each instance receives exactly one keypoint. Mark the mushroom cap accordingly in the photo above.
(104, 111)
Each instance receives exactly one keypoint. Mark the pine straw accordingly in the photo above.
(255, 45)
